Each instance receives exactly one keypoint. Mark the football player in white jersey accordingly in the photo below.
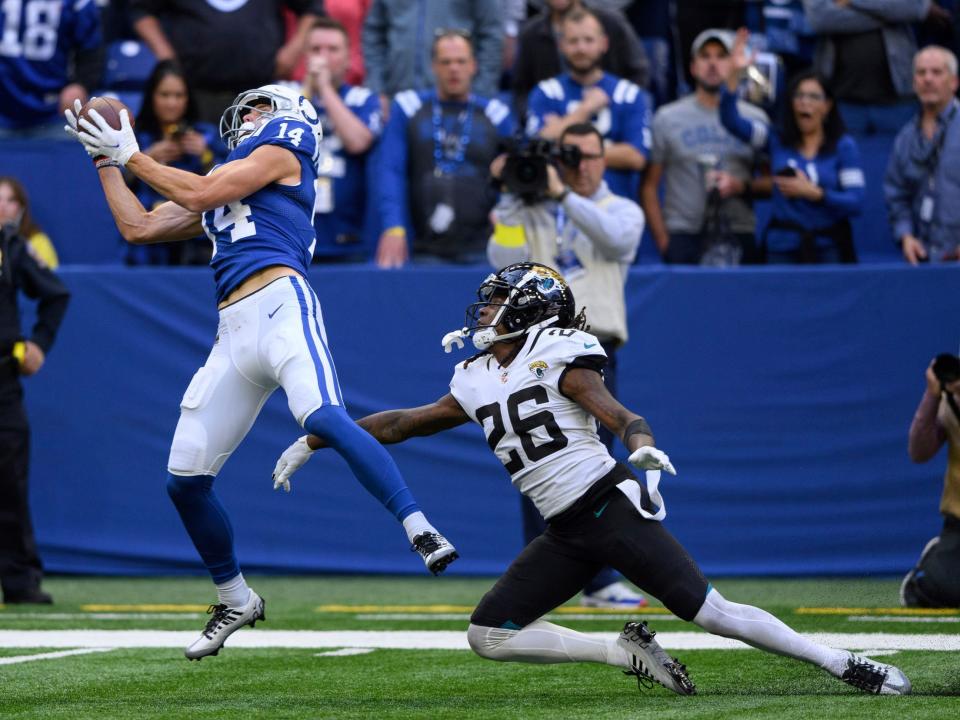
(537, 391)
(257, 209)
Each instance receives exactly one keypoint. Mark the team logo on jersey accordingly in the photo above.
(538, 368)
(504, 376)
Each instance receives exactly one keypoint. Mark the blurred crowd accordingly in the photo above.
(435, 110)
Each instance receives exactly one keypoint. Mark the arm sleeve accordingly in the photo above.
(848, 199)
(488, 46)
(393, 169)
(897, 192)
(39, 283)
(755, 133)
(614, 225)
(374, 40)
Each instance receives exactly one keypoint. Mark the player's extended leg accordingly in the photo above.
(306, 371)
(507, 624)
(646, 553)
(217, 411)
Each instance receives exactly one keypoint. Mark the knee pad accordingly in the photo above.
(486, 641)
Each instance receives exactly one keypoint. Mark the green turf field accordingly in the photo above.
(129, 664)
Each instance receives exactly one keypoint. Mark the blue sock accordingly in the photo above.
(367, 458)
(206, 522)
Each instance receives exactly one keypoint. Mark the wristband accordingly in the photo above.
(563, 195)
(396, 231)
(637, 427)
(102, 162)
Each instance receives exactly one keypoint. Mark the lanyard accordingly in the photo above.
(934, 158)
(444, 164)
(561, 224)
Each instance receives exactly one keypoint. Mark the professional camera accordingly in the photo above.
(946, 368)
(525, 172)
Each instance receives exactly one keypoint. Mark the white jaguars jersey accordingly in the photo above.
(547, 443)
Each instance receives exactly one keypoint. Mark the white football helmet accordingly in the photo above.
(283, 101)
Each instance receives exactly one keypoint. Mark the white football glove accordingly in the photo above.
(452, 339)
(649, 458)
(291, 460)
(98, 136)
(73, 131)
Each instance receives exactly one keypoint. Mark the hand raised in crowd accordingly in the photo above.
(318, 74)
(193, 143)
(165, 151)
(594, 100)
(391, 250)
(33, 358)
(496, 167)
(913, 250)
(71, 93)
(799, 186)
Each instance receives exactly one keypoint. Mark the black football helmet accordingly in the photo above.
(526, 294)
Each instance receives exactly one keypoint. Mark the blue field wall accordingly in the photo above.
(782, 396)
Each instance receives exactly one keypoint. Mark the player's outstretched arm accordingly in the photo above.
(585, 387)
(230, 182)
(390, 426)
(164, 223)
(393, 426)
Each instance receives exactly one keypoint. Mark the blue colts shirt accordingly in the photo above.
(274, 225)
(625, 119)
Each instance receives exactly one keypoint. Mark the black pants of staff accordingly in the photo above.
(533, 523)
(20, 566)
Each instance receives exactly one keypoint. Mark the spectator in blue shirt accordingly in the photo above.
(434, 159)
(351, 122)
(818, 180)
(618, 108)
(169, 132)
(921, 184)
(51, 53)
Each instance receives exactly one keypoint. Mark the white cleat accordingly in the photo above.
(436, 551)
(650, 662)
(224, 622)
(615, 595)
(874, 677)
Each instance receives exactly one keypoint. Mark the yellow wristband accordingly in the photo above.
(396, 230)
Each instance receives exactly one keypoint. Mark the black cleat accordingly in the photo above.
(436, 551)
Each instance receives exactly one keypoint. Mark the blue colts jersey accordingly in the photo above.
(37, 41)
(274, 225)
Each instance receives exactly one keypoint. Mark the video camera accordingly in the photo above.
(525, 172)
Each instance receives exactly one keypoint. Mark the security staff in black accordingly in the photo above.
(20, 566)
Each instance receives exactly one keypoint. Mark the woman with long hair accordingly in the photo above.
(818, 180)
(15, 213)
(168, 131)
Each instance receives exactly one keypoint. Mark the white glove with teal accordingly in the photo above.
(99, 139)
(649, 458)
(291, 460)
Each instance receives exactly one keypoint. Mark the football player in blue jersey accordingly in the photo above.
(536, 390)
(257, 209)
(618, 108)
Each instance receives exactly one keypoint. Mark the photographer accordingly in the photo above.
(566, 217)
(935, 580)
(20, 271)
(168, 130)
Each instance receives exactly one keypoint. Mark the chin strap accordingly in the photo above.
(484, 337)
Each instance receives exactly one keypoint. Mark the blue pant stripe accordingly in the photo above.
(304, 316)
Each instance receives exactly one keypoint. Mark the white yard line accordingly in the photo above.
(13, 660)
(423, 640)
